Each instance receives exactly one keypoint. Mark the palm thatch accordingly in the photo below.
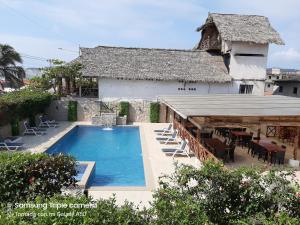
(246, 28)
(153, 64)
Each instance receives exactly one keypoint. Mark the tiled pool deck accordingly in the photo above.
(156, 163)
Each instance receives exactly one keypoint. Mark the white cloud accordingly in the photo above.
(286, 58)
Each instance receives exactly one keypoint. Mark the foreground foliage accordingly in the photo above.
(210, 195)
(25, 176)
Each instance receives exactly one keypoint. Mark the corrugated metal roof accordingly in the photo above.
(233, 105)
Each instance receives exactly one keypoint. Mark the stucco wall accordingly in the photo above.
(113, 89)
(248, 67)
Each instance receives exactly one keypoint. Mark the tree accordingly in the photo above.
(70, 72)
(9, 59)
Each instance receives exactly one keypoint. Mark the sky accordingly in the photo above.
(38, 28)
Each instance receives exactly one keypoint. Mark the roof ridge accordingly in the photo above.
(235, 14)
(144, 48)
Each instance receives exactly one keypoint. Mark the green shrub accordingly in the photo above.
(124, 109)
(22, 104)
(154, 112)
(26, 176)
(72, 111)
(15, 127)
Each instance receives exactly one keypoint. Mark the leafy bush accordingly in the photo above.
(26, 176)
(72, 111)
(154, 112)
(124, 109)
(226, 196)
(22, 104)
(104, 212)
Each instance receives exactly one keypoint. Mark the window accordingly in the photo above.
(246, 89)
(269, 85)
(280, 89)
(295, 90)
(270, 77)
(246, 54)
(277, 77)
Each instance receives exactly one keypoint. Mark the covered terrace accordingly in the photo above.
(264, 117)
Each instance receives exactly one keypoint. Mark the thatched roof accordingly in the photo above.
(153, 64)
(246, 28)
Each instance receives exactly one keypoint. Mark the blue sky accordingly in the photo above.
(40, 27)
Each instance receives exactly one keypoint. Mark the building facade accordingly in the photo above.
(231, 57)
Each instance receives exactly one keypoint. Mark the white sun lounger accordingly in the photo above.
(182, 150)
(32, 130)
(168, 129)
(167, 140)
(11, 146)
(172, 150)
(47, 123)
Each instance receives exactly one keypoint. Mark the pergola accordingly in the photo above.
(234, 110)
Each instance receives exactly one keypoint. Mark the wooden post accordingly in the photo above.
(198, 135)
(167, 114)
(258, 132)
(296, 143)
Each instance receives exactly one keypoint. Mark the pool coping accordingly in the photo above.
(149, 179)
(83, 183)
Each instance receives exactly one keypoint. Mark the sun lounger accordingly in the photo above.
(172, 150)
(11, 139)
(33, 130)
(182, 150)
(168, 129)
(47, 123)
(11, 146)
(167, 140)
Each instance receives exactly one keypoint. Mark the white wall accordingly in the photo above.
(248, 67)
(113, 89)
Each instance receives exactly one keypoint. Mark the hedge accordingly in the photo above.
(72, 111)
(124, 109)
(154, 112)
(25, 176)
(22, 104)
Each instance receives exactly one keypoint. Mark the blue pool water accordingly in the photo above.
(117, 153)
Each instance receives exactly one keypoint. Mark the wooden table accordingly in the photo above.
(215, 143)
(269, 146)
(241, 134)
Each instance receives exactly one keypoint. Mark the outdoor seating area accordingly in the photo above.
(221, 129)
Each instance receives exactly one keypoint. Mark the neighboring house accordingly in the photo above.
(32, 72)
(288, 87)
(275, 74)
(231, 57)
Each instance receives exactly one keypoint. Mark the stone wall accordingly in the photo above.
(86, 108)
(89, 107)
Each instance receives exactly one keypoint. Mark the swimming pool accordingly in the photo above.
(117, 153)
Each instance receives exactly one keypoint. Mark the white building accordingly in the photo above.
(231, 57)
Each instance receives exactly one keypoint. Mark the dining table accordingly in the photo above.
(269, 146)
(215, 143)
(241, 134)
